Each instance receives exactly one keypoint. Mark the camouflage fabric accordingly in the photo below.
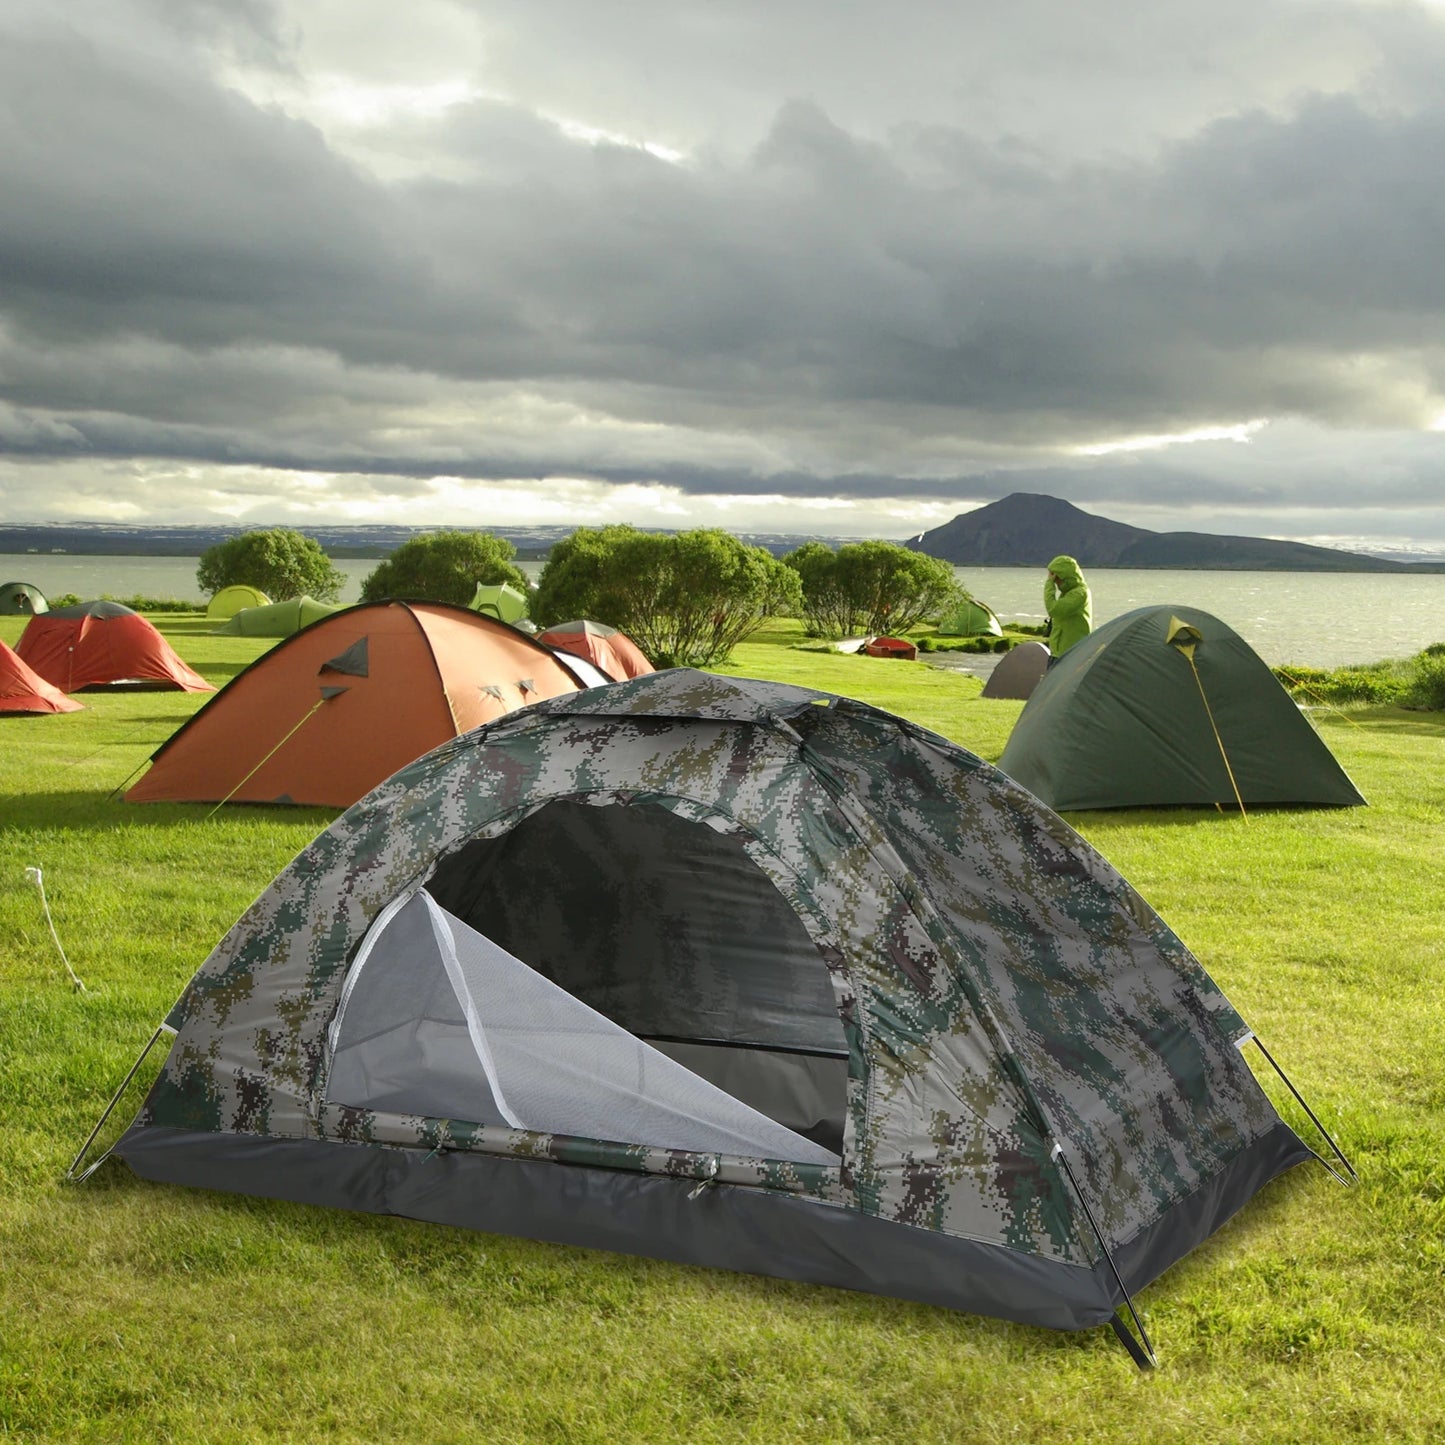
(1003, 992)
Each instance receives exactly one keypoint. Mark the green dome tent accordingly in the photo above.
(971, 618)
(277, 619)
(21, 599)
(499, 600)
(1169, 706)
(230, 600)
(732, 973)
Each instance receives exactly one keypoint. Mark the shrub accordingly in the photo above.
(687, 600)
(1375, 682)
(160, 604)
(1426, 689)
(445, 567)
(281, 562)
(870, 587)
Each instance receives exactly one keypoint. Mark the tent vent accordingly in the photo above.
(353, 661)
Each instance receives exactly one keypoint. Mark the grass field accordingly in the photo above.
(137, 1312)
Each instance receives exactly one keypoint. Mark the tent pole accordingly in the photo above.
(1314, 1119)
(70, 1174)
(1143, 1355)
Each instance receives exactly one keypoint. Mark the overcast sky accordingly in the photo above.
(837, 266)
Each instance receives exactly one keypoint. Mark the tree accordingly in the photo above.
(444, 567)
(870, 587)
(281, 562)
(827, 610)
(686, 600)
(581, 580)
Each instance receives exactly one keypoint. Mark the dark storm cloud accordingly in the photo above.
(891, 302)
(141, 199)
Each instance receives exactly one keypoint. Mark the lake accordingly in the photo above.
(1318, 619)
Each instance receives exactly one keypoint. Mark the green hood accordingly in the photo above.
(1068, 573)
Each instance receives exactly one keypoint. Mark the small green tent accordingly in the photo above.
(21, 599)
(971, 618)
(499, 600)
(1168, 706)
(230, 600)
(277, 619)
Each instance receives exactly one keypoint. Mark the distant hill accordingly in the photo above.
(1026, 530)
(340, 541)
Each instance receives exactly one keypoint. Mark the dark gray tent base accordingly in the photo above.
(750, 1230)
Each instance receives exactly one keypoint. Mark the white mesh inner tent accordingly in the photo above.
(436, 1019)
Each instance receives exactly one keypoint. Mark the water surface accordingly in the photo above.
(1320, 619)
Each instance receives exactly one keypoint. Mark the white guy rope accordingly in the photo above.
(34, 875)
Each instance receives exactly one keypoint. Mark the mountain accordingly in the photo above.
(337, 540)
(1026, 530)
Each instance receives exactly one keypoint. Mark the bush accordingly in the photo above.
(686, 600)
(281, 562)
(1426, 688)
(136, 604)
(1375, 682)
(870, 587)
(160, 604)
(445, 567)
(967, 644)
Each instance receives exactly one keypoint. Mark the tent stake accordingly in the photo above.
(1143, 1355)
(70, 1174)
(1314, 1119)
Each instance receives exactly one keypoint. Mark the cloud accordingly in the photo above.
(877, 270)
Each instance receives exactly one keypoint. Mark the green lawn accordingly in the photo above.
(135, 1312)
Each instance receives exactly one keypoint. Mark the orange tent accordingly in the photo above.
(22, 689)
(614, 652)
(103, 644)
(335, 709)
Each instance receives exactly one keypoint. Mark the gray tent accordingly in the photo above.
(736, 974)
(1018, 671)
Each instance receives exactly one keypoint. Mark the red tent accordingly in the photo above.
(22, 689)
(103, 644)
(338, 707)
(614, 652)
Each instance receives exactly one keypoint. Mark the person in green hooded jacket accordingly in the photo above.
(1070, 608)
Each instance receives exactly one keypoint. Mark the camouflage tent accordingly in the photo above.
(731, 973)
